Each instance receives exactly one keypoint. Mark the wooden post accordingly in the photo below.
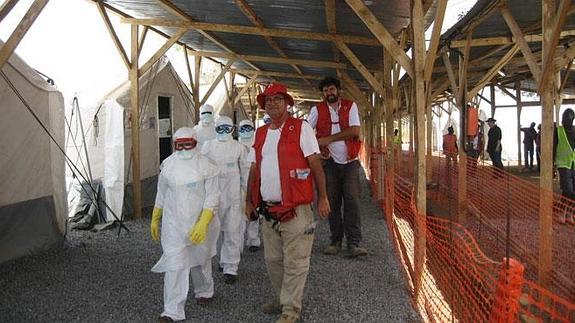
(196, 89)
(519, 109)
(135, 106)
(419, 96)
(546, 180)
(10, 45)
(389, 104)
(462, 156)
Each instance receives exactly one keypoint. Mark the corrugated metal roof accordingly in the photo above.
(300, 15)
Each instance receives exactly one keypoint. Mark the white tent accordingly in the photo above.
(33, 205)
(165, 105)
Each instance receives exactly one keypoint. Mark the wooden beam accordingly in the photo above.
(493, 72)
(113, 34)
(21, 30)
(142, 39)
(546, 179)
(257, 31)
(360, 68)
(270, 59)
(548, 67)
(216, 82)
(196, 90)
(6, 8)
(135, 133)
(163, 50)
(435, 35)
(189, 69)
(520, 39)
(330, 20)
(245, 89)
(419, 96)
(450, 73)
(379, 31)
(277, 74)
(504, 90)
(168, 5)
(566, 57)
(253, 17)
(494, 41)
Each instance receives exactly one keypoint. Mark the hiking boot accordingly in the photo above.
(165, 319)
(333, 249)
(272, 308)
(287, 318)
(230, 279)
(355, 251)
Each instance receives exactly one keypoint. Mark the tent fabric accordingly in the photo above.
(32, 166)
(114, 159)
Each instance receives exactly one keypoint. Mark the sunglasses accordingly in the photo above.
(246, 128)
(225, 128)
(185, 144)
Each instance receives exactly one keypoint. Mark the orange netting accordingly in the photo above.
(458, 281)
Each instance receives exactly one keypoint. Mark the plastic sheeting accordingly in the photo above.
(114, 159)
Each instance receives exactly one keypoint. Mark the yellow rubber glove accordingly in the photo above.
(200, 230)
(155, 224)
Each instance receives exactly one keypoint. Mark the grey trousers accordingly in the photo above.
(342, 181)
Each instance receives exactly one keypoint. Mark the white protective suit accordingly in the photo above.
(249, 228)
(228, 154)
(205, 130)
(185, 188)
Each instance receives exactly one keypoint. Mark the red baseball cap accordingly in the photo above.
(272, 89)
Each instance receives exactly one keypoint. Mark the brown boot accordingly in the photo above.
(272, 308)
(355, 252)
(333, 249)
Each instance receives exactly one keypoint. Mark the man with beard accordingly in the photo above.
(336, 121)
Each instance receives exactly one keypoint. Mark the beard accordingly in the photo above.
(332, 98)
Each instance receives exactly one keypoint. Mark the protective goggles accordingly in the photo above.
(205, 112)
(225, 128)
(246, 128)
(185, 144)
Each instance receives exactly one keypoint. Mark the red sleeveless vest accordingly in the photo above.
(323, 127)
(295, 175)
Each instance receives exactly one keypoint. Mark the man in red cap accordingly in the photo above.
(285, 162)
(337, 124)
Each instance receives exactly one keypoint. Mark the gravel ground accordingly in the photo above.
(98, 277)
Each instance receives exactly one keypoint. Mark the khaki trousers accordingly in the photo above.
(287, 253)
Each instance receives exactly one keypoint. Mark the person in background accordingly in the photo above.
(187, 195)
(285, 164)
(528, 145)
(396, 138)
(205, 128)
(494, 143)
(250, 226)
(450, 148)
(538, 148)
(337, 125)
(229, 155)
(563, 144)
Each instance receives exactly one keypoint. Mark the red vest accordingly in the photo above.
(449, 147)
(295, 175)
(324, 123)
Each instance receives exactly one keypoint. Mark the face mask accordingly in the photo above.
(206, 118)
(184, 154)
(223, 136)
(246, 134)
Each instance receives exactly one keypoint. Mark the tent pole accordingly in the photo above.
(135, 105)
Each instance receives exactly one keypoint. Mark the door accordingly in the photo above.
(164, 126)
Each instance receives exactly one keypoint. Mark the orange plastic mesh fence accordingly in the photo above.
(460, 282)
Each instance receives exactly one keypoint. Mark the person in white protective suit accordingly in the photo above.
(228, 154)
(205, 128)
(187, 194)
(250, 227)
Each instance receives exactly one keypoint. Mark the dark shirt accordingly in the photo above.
(530, 135)
(493, 136)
